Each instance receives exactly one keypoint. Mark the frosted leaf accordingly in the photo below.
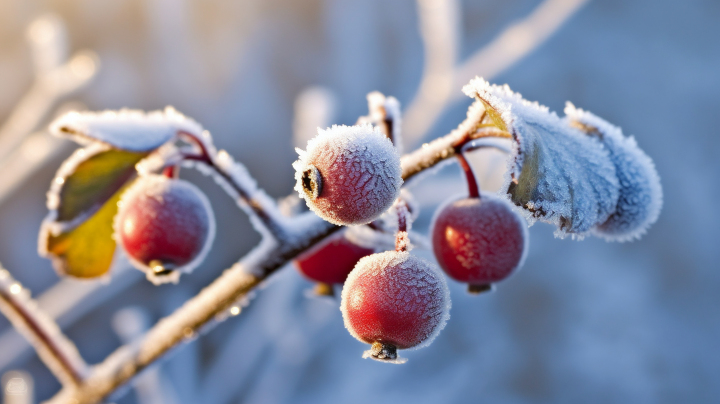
(180, 217)
(640, 200)
(349, 175)
(397, 299)
(556, 173)
(126, 129)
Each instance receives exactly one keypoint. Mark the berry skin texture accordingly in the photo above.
(393, 300)
(165, 226)
(349, 175)
(332, 261)
(479, 241)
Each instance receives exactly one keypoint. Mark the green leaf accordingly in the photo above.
(85, 251)
(77, 235)
(94, 180)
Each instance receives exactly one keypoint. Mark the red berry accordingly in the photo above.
(349, 175)
(394, 300)
(332, 260)
(479, 241)
(164, 225)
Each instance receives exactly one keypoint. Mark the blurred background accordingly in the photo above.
(587, 321)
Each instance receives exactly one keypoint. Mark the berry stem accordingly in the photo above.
(402, 241)
(473, 190)
(253, 199)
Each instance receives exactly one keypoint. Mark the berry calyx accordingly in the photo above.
(392, 301)
(330, 262)
(478, 240)
(165, 226)
(349, 175)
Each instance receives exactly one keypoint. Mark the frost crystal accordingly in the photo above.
(640, 200)
(126, 129)
(556, 172)
(349, 175)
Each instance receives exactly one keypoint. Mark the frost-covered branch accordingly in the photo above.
(217, 300)
(57, 351)
(55, 78)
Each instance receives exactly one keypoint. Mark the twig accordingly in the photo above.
(210, 305)
(59, 353)
(518, 40)
(511, 45)
(439, 29)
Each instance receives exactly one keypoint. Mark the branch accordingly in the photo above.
(511, 45)
(55, 350)
(236, 283)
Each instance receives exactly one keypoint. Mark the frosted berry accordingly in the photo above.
(165, 226)
(479, 241)
(394, 300)
(349, 175)
(331, 262)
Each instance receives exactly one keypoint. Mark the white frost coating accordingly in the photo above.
(410, 278)
(159, 187)
(641, 198)
(556, 173)
(382, 109)
(360, 172)
(126, 129)
(56, 351)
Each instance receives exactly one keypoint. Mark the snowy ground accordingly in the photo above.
(589, 321)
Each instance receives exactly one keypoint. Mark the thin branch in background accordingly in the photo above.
(55, 349)
(212, 303)
(439, 30)
(55, 78)
(66, 302)
(515, 42)
(18, 388)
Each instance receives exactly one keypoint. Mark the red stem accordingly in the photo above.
(473, 190)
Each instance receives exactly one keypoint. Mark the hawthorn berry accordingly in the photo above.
(349, 175)
(393, 300)
(165, 226)
(478, 240)
(331, 262)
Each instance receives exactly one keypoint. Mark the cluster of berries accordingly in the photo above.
(394, 300)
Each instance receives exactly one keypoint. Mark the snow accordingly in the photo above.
(556, 173)
(641, 198)
(126, 129)
(404, 278)
(360, 172)
(160, 187)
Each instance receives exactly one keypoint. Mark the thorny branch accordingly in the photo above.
(213, 303)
